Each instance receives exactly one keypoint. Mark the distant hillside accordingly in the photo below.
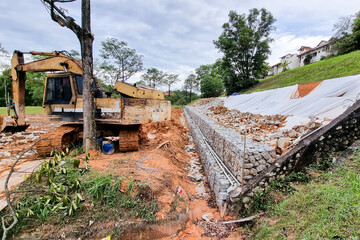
(340, 66)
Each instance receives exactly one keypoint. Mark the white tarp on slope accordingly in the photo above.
(327, 101)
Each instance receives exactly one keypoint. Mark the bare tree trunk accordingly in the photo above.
(89, 137)
(86, 40)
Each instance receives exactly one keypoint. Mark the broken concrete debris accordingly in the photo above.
(258, 148)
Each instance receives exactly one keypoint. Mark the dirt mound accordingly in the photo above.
(306, 88)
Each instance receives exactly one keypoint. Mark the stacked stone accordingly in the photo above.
(216, 178)
(229, 146)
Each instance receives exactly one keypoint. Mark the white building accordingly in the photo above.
(306, 54)
(315, 54)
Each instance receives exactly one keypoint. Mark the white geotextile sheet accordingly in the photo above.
(327, 101)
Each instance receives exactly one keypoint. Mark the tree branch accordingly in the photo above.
(7, 192)
(57, 15)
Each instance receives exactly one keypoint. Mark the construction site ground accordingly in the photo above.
(167, 161)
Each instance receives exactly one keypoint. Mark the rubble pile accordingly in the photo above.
(269, 129)
(8, 139)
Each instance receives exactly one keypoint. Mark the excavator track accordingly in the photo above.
(56, 140)
(129, 139)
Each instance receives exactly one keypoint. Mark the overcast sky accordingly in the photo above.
(175, 36)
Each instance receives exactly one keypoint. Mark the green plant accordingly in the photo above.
(325, 208)
(297, 176)
(322, 163)
(284, 184)
(104, 189)
(76, 149)
(261, 201)
(56, 194)
(61, 193)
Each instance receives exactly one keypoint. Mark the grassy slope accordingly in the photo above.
(340, 66)
(326, 208)
(28, 110)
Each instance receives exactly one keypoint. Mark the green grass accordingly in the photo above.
(341, 66)
(66, 193)
(176, 106)
(28, 110)
(326, 208)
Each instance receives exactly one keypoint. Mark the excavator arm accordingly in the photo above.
(54, 61)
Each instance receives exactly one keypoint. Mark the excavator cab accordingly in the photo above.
(61, 92)
(58, 90)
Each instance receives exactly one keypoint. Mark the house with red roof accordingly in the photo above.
(305, 55)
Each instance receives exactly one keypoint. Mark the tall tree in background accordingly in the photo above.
(191, 84)
(245, 44)
(124, 61)
(3, 66)
(86, 38)
(347, 34)
(153, 77)
(2, 50)
(210, 77)
(170, 79)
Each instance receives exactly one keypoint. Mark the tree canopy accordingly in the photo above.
(210, 77)
(347, 34)
(121, 61)
(191, 84)
(2, 50)
(153, 77)
(170, 79)
(245, 44)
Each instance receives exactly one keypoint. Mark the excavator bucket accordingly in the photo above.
(8, 124)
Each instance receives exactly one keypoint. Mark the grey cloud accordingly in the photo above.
(174, 36)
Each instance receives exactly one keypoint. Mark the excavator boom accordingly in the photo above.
(55, 61)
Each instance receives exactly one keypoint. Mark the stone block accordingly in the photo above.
(253, 171)
(248, 165)
(260, 168)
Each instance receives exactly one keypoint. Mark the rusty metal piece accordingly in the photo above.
(129, 139)
(8, 124)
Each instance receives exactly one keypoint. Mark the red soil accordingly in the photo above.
(306, 88)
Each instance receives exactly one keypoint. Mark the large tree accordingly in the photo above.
(2, 50)
(170, 79)
(245, 43)
(153, 77)
(347, 34)
(86, 38)
(124, 61)
(210, 77)
(191, 84)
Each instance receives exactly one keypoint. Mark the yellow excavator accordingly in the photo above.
(118, 117)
